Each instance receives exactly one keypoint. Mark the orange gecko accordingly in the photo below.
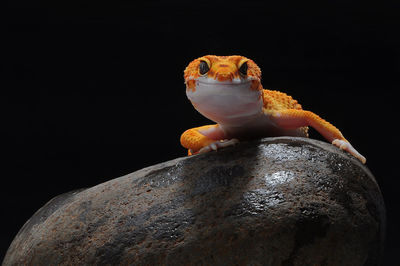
(228, 90)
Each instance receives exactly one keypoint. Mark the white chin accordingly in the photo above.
(227, 103)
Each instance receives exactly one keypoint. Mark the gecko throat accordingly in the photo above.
(228, 102)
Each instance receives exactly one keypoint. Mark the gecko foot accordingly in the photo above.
(218, 144)
(344, 145)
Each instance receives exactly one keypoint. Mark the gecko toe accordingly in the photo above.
(346, 146)
(214, 146)
(218, 144)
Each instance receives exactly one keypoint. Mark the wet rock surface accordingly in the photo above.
(276, 201)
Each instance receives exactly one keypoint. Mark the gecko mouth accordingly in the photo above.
(231, 82)
(211, 87)
(226, 83)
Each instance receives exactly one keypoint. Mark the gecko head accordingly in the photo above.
(230, 70)
(224, 87)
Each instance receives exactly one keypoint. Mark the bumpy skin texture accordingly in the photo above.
(228, 90)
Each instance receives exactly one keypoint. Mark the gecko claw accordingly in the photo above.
(344, 145)
(218, 144)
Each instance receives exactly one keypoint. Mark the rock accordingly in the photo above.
(276, 201)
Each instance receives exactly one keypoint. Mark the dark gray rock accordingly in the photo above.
(277, 201)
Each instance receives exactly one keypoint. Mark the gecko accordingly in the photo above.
(228, 91)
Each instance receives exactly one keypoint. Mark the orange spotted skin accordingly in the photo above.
(277, 110)
(276, 100)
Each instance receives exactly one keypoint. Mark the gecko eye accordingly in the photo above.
(203, 67)
(243, 69)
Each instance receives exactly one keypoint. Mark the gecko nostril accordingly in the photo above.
(224, 76)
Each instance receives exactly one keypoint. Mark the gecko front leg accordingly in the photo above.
(204, 139)
(293, 118)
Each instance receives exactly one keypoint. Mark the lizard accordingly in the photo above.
(228, 91)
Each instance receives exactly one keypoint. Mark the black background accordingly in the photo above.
(94, 90)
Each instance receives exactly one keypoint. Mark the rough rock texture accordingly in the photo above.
(277, 201)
